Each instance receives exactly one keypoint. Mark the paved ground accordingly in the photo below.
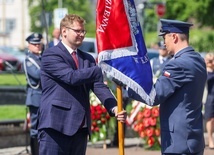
(132, 147)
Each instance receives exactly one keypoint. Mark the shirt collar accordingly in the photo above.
(70, 50)
(55, 41)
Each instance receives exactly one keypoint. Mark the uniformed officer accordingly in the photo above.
(31, 66)
(179, 92)
(158, 63)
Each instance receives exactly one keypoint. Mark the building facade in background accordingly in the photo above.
(14, 23)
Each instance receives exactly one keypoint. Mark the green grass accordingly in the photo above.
(8, 112)
(11, 80)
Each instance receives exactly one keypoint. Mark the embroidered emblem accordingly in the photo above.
(133, 18)
(29, 63)
(36, 35)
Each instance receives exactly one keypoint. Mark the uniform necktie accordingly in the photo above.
(74, 55)
(163, 60)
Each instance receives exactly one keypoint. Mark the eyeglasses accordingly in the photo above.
(78, 32)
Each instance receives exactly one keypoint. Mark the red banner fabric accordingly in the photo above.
(114, 33)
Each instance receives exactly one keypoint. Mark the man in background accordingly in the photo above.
(158, 63)
(55, 37)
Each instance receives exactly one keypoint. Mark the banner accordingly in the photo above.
(121, 47)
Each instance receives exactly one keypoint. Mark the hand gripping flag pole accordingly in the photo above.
(122, 51)
(120, 124)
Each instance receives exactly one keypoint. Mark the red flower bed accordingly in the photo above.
(146, 124)
(99, 118)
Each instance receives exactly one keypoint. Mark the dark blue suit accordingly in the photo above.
(51, 44)
(179, 92)
(65, 98)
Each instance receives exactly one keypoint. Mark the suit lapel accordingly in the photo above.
(67, 55)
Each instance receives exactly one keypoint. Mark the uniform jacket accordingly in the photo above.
(65, 98)
(179, 92)
(33, 74)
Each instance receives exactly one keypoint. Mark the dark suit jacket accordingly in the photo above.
(65, 98)
(179, 92)
(50, 44)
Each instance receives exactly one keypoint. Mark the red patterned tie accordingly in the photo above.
(74, 55)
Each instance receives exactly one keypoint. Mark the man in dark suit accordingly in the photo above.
(68, 75)
(179, 92)
(32, 70)
(55, 38)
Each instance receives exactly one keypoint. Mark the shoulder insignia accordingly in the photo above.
(167, 74)
(29, 63)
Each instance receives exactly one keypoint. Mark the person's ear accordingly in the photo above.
(64, 32)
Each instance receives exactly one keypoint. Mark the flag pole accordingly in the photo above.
(120, 124)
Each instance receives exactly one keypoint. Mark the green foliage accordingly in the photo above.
(204, 12)
(202, 41)
(8, 112)
(80, 7)
(200, 10)
(150, 17)
(178, 9)
(151, 38)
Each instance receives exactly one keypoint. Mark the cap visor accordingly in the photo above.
(161, 33)
(34, 42)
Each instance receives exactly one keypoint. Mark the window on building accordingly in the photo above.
(7, 1)
(10, 25)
